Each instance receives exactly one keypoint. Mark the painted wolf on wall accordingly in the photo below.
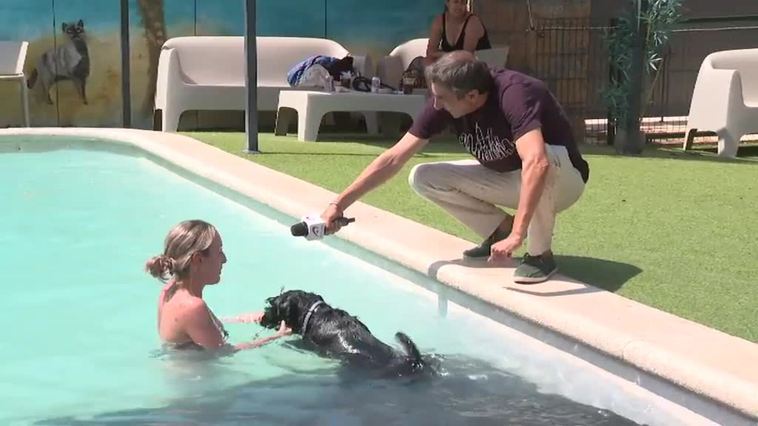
(69, 61)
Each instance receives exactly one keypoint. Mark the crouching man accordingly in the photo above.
(526, 159)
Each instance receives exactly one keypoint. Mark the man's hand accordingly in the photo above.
(505, 248)
(332, 212)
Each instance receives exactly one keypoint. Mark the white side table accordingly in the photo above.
(311, 107)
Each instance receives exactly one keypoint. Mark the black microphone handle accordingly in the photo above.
(343, 221)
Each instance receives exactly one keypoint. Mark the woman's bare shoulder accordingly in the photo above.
(437, 22)
(476, 20)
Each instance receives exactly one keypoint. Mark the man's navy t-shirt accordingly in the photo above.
(516, 105)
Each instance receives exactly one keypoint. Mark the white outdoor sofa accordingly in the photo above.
(391, 67)
(725, 99)
(208, 73)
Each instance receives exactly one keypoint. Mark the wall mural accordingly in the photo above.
(73, 64)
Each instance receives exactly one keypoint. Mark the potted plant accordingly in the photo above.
(635, 50)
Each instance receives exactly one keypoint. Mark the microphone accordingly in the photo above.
(312, 227)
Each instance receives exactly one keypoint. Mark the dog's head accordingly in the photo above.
(73, 30)
(290, 307)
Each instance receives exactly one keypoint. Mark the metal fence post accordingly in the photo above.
(126, 95)
(251, 79)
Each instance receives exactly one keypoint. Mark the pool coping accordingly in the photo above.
(707, 363)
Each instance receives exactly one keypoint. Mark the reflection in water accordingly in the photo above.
(468, 391)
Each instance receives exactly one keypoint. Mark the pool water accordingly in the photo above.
(80, 343)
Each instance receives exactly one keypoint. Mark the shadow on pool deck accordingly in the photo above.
(603, 274)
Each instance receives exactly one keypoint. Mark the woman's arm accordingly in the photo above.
(200, 327)
(283, 331)
(244, 318)
(435, 36)
(474, 31)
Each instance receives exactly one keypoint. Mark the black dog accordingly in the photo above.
(336, 334)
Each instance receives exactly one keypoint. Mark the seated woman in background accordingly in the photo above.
(192, 258)
(456, 29)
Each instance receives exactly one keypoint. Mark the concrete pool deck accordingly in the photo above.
(707, 371)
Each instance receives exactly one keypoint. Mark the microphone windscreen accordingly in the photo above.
(299, 229)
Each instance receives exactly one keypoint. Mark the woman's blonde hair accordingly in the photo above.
(182, 241)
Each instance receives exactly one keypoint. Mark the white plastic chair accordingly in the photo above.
(725, 99)
(495, 57)
(391, 67)
(12, 59)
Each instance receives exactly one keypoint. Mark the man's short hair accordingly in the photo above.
(460, 72)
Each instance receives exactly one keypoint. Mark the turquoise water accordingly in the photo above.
(80, 344)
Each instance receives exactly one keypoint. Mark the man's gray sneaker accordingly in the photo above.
(483, 249)
(535, 269)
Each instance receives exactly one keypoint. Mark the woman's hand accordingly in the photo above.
(245, 318)
(283, 330)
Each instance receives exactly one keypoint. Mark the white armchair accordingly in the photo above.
(12, 59)
(725, 99)
(391, 67)
(495, 57)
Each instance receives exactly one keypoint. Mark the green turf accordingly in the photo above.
(673, 230)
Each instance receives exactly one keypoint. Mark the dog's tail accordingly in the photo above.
(410, 348)
(32, 78)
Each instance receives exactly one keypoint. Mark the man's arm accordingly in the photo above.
(379, 171)
(534, 167)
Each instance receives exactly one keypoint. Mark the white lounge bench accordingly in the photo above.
(208, 73)
(725, 99)
(12, 59)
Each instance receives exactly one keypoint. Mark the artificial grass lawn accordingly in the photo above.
(673, 230)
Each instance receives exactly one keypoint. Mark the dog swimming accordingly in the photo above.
(336, 334)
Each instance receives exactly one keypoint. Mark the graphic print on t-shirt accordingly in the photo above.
(486, 145)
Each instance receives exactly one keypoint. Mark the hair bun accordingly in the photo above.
(160, 266)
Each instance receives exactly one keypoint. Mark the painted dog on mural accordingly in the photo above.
(69, 61)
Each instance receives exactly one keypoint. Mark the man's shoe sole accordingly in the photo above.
(534, 280)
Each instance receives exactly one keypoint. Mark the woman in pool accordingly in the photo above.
(192, 258)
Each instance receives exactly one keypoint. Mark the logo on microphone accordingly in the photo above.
(313, 227)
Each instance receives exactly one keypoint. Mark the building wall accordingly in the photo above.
(362, 27)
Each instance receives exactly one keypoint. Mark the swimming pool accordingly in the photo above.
(82, 345)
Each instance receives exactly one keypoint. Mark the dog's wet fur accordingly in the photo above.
(336, 334)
